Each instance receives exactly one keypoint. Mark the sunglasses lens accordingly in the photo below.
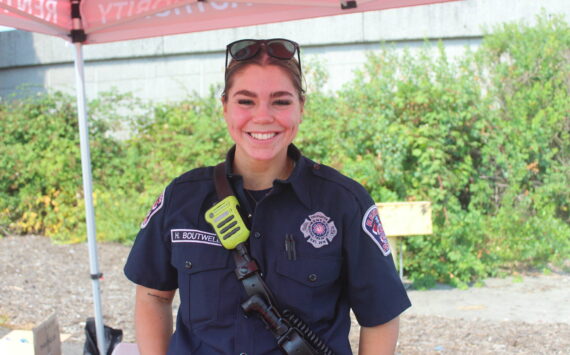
(243, 50)
(281, 49)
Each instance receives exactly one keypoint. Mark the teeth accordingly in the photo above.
(263, 136)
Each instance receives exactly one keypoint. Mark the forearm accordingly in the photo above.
(153, 320)
(379, 340)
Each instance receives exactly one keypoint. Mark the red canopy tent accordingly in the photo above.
(100, 21)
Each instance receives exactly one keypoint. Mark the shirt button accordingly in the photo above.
(242, 353)
(257, 235)
(188, 264)
(313, 277)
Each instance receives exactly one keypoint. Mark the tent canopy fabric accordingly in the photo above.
(115, 20)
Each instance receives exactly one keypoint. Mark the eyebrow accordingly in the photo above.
(252, 94)
(245, 93)
(280, 94)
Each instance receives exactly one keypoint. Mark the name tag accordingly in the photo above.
(194, 236)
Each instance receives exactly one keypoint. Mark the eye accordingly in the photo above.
(246, 102)
(282, 102)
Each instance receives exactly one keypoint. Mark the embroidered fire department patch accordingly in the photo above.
(373, 227)
(318, 229)
(157, 206)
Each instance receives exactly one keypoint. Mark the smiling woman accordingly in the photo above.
(263, 112)
(316, 247)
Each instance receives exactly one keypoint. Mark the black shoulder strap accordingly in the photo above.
(247, 270)
(223, 188)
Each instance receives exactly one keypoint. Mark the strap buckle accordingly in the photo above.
(245, 270)
(292, 342)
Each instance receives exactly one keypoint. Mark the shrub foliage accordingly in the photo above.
(484, 137)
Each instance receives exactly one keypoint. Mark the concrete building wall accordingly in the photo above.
(171, 67)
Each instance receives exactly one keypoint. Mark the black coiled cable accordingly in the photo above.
(308, 334)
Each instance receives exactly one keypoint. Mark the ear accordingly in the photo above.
(224, 100)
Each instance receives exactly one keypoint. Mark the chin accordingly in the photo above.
(262, 154)
(263, 157)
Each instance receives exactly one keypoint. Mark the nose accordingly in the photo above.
(263, 114)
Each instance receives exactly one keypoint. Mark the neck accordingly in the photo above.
(259, 175)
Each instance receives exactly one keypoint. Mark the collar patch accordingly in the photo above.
(373, 227)
(157, 206)
(318, 229)
(194, 236)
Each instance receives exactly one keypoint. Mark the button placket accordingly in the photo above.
(256, 240)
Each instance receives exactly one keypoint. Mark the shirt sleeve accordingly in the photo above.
(376, 292)
(148, 263)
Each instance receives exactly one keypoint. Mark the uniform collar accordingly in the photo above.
(298, 178)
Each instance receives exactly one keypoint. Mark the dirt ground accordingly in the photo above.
(528, 315)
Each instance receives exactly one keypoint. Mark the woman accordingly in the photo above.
(315, 234)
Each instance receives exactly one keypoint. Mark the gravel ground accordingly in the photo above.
(507, 316)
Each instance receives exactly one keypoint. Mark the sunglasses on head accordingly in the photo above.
(279, 48)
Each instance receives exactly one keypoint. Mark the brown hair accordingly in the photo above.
(290, 67)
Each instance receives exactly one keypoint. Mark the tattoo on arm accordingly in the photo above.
(160, 298)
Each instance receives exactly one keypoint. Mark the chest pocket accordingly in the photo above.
(312, 281)
(204, 276)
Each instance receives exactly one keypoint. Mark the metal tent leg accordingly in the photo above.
(88, 195)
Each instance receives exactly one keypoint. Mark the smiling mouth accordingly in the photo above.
(262, 136)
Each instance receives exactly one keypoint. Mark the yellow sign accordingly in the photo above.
(401, 219)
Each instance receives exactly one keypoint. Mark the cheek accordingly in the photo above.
(233, 118)
(232, 129)
(296, 129)
(292, 121)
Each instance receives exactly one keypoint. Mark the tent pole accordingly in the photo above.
(88, 195)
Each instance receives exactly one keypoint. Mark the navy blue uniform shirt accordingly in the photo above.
(342, 260)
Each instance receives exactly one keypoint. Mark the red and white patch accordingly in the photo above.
(155, 208)
(318, 229)
(373, 227)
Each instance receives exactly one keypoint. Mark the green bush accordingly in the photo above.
(40, 175)
(485, 137)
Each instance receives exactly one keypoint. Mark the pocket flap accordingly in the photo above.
(194, 258)
(312, 272)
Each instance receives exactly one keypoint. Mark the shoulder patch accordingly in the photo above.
(373, 227)
(155, 208)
